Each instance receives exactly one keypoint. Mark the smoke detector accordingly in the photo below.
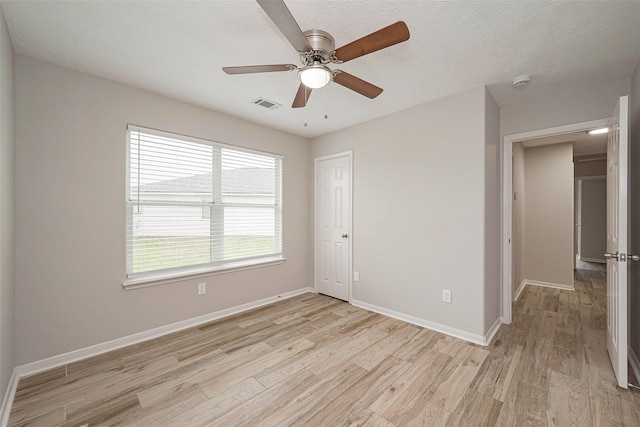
(521, 81)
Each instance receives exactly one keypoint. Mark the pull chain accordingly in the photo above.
(326, 101)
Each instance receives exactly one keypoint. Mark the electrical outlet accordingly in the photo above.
(202, 288)
(356, 276)
(446, 296)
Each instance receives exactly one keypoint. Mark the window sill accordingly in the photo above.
(161, 279)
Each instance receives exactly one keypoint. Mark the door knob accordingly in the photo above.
(634, 258)
(345, 235)
(608, 255)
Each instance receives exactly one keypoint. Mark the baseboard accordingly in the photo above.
(447, 330)
(493, 330)
(635, 364)
(597, 260)
(7, 402)
(550, 285)
(520, 290)
(94, 350)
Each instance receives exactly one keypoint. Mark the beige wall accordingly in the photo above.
(634, 190)
(548, 214)
(419, 209)
(570, 105)
(7, 159)
(423, 206)
(518, 236)
(492, 250)
(70, 214)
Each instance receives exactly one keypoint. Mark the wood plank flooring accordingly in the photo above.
(316, 361)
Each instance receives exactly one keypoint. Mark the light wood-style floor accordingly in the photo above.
(316, 361)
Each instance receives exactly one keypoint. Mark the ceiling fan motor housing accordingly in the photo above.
(322, 44)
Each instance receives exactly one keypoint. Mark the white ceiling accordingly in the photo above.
(583, 143)
(178, 48)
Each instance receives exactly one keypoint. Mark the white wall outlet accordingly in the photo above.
(356, 276)
(202, 288)
(446, 296)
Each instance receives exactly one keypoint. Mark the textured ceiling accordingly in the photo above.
(177, 49)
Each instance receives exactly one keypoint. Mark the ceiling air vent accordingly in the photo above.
(266, 103)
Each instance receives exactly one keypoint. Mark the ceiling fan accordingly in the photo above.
(317, 49)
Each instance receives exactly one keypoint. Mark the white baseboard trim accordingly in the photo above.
(94, 350)
(9, 395)
(635, 364)
(550, 285)
(520, 290)
(448, 330)
(598, 260)
(493, 330)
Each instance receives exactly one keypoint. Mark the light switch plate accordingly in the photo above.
(446, 296)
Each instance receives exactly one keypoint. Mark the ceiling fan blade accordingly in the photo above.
(249, 69)
(284, 20)
(356, 84)
(388, 36)
(301, 97)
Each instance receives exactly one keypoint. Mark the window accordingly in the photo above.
(193, 203)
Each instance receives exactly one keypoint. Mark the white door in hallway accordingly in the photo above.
(333, 225)
(617, 223)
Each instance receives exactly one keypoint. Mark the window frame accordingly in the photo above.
(167, 275)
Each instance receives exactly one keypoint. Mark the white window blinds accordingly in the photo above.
(192, 203)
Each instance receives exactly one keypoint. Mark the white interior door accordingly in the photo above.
(617, 289)
(333, 226)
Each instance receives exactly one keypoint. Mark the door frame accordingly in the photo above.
(507, 200)
(317, 160)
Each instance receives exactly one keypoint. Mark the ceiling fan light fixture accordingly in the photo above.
(316, 49)
(315, 76)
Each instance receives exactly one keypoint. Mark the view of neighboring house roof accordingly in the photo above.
(234, 181)
(248, 181)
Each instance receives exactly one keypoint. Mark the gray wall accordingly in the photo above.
(492, 250)
(586, 166)
(634, 182)
(549, 214)
(7, 159)
(70, 214)
(593, 221)
(518, 236)
(419, 209)
(592, 167)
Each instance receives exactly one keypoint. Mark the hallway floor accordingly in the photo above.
(564, 376)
